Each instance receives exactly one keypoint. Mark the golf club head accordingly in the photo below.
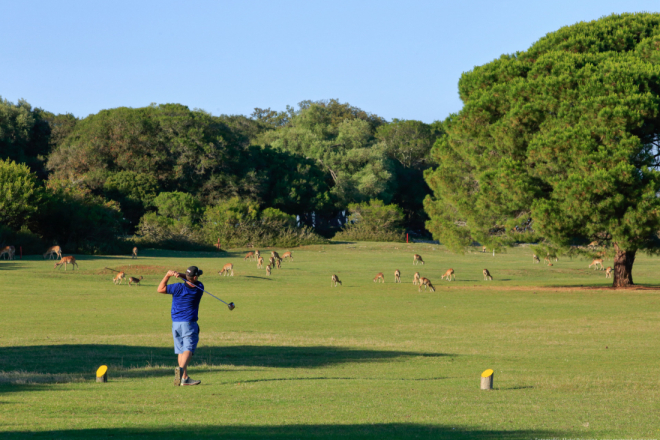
(231, 306)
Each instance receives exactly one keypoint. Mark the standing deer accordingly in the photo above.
(378, 278)
(268, 270)
(53, 252)
(487, 276)
(249, 256)
(335, 280)
(448, 275)
(65, 261)
(271, 261)
(119, 278)
(257, 254)
(416, 278)
(535, 259)
(274, 254)
(417, 259)
(7, 252)
(426, 283)
(134, 254)
(260, 263)
(608, 272)
(133, 280)
(397, 276)
(597, 262)
(227, 269)
(483, 249)
(287, 255)
(279, 263)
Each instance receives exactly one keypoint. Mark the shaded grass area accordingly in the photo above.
(298, 358)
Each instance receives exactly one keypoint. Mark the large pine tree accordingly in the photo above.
(565, 134)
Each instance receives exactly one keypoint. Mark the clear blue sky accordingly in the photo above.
(397, 59)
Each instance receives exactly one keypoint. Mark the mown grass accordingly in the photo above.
(298, 358)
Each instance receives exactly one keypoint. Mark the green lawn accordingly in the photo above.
(298, 358)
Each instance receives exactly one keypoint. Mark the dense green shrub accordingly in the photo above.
(31, 243)
(373, 221)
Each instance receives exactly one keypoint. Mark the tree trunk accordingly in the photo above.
(623, 264)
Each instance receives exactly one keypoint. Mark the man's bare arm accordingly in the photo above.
(162, 287)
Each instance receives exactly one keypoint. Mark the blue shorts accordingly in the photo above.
(186, 336)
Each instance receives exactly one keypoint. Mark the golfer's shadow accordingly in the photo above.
(66, 363)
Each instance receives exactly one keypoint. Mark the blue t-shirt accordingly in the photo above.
(185, 301)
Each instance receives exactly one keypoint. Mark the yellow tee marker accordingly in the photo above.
(487, 379)
(102, 374)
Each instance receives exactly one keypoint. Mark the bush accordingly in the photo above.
(19, 193)
(373, 221)
(31, 243)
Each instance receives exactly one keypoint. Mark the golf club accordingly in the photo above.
(230, 305)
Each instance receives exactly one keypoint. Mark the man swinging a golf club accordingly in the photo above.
(185, 306)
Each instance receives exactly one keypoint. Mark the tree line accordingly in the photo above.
(158, 173)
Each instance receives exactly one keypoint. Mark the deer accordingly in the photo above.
(65, 261)
(257, 254)
(134, 254)
(608, 272)
(260, 263)
(133, 280)
(397, 276)
(335, 280)
(380, 277)
(53, 252)
(279, 263)
(268, 270)
(593, 244)
(448, 275)
(119, 278)
(249, 256)
(487, 276)
(227, 269)
(416, 279)
(271, 261)
(483, 249)
(597, 262)
(287, 255)
(8, 252)
(274, 254)
(417, 259)
(546, 260)
(426, 283)
(535, 259)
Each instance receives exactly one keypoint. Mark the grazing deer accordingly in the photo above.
(426, 283)
(133, 280)
(227, 269)
(417, 259)
(594, 244)
(274, 254)
(119, 278)
(487, 276)
(448, 275)
(608, 272)
(287, 255)
(53, 252)
(379, 278)
(549, 264)
(260, 263)
(257, 254)
(279, 263)
(416, 278)
(8, 252)
(271, 261)
(268, 270)
(134, 254)
(597, 262)
(397, 276)
(65, 261)
(249, 256)
(535, 259)
(335, 280)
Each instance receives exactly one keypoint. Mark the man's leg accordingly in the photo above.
(184, 358)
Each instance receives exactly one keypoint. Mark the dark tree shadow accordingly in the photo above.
(278, 432)
(133, 361)
(10, 265)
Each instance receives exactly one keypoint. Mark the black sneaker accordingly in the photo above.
(178, 372)
(189, 381)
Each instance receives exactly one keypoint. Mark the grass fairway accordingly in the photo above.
(300, 359)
